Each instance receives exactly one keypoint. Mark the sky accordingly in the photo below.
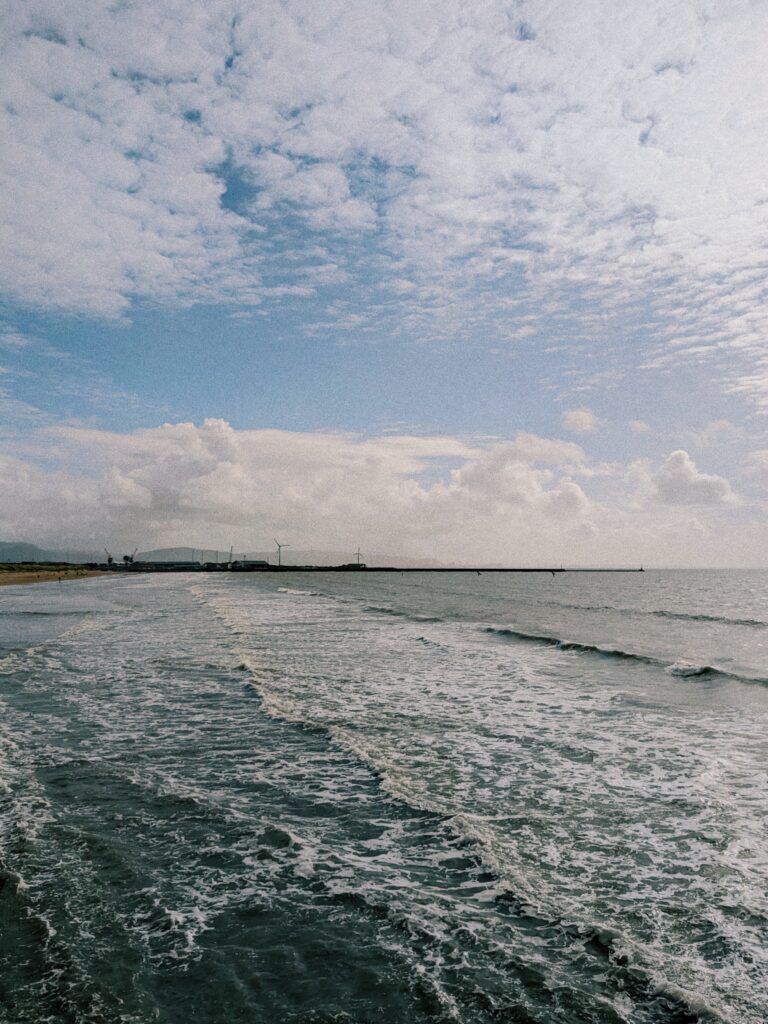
(474, 282)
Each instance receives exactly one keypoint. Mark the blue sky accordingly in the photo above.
(387, 271)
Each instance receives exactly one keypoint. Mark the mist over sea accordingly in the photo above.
(305, 799)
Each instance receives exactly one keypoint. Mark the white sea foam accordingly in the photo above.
(604, 804)
(421, 723)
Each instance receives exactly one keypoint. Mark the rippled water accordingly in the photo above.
(362, 798)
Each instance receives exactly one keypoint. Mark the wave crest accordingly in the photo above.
(678, 668)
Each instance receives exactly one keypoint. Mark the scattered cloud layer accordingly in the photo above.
(587, 183)
(532, 166)
(529, 500)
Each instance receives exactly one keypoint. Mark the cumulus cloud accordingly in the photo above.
(679, 482)
(580, 421)
(449, 498)
(212, 482)
(433, 154)
(639, 427)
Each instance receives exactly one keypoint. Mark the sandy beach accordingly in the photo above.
(10, 575)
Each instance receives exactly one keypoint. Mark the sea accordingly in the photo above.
(355, 798)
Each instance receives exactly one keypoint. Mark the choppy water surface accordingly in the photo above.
(363, 798)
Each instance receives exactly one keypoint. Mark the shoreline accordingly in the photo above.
(10, 578)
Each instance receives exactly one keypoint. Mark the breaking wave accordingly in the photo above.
(677, 668)
(661, 613)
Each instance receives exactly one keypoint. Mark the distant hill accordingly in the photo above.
(17, 551)
(11, 551)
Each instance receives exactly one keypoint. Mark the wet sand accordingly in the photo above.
(10, 577)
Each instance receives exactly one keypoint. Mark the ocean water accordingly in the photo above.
(421, 798)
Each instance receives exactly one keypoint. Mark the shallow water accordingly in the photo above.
(365, 798)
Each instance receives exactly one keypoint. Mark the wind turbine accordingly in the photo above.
(280, 551)
(358, 556)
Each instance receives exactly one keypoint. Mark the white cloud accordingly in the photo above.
(639, 427)
(679, 482)
(504, 501)
(613, 158)
(580, 421)
(214, 481)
